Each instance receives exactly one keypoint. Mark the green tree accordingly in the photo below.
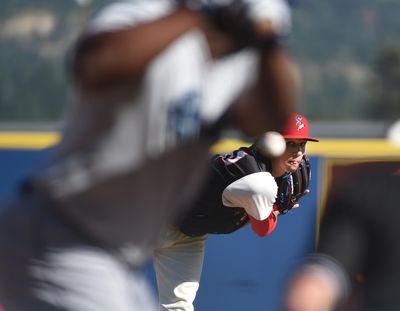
(384, 100)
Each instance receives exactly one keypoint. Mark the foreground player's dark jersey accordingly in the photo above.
(208, 214)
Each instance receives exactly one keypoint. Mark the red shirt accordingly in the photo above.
(263, 227)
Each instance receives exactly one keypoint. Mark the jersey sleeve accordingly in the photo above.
(229, 69)
(256, 193)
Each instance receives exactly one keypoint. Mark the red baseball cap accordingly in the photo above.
(297, 128)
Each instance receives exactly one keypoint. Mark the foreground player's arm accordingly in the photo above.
(267, 105)
(112, 57)
(116, 57)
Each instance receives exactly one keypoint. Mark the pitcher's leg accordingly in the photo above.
(178, 264)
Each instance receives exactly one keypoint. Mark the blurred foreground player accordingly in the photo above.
(243, 186)
(147, 100)
(356, 266)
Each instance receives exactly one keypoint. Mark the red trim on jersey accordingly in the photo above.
(263, 227)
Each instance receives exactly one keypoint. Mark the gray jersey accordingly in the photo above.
(123, 157)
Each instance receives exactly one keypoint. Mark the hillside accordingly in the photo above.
(336, 44)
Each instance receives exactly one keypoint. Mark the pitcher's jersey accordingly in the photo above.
(239, 185)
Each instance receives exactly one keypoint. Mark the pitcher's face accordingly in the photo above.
(291, 158)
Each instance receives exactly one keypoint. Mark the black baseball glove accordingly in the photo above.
(293, 186)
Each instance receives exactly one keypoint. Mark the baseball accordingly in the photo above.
(272, 144)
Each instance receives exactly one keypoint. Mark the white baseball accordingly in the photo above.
(272, 144)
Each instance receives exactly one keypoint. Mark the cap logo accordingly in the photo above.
(299, 123)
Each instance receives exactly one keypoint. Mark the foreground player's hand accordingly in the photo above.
(247, 20)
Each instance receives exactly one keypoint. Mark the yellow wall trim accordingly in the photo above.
(326, 147)
(333, 148)
(28, 140)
